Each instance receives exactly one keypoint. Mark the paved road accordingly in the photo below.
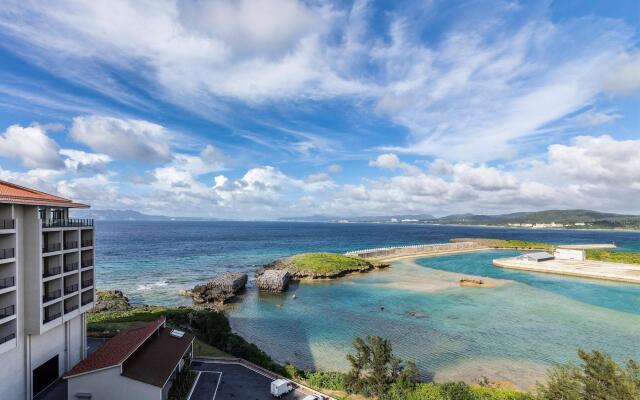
(234, 382)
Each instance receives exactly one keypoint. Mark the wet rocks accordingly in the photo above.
(111, 300)
(273, 280)
(218, 290)
(471, 282)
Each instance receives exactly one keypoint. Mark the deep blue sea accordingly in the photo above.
(511, 332)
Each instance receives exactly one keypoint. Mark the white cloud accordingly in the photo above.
(210, 159)
(334, 168)
(484, 178)
(31, 146)
(82, 161)
(123, 138)
(594, 118)
(98, 191)
(392, 162)
(625, 77)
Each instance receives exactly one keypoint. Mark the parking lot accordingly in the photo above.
(230, 381)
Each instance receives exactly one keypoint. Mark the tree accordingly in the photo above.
(597, 378)
(374, 369)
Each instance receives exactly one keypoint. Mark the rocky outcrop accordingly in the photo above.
(218, 290)
(273, 280)
(289, 264)
(111, 300)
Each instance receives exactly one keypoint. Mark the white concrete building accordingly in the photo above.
(46, 287)
(570, 254)
(138, 363)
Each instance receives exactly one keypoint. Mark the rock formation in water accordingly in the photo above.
(297, 271)
(218, 290)
(110, 300)
(272, 280)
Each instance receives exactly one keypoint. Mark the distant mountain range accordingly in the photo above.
(543, 219)
(127, 215)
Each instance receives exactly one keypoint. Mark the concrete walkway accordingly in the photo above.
(629, 273)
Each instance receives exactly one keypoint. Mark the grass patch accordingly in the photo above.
(327, 263)
(626, 257)
(201, 349)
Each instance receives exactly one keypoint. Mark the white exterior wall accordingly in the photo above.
(35, 343)
(570, 254)
(108, 384)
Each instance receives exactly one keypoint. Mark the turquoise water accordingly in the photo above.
(509, 332)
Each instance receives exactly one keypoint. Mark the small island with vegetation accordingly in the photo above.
(322, 265)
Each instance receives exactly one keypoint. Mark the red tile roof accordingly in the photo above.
(117, 349)
(12, 193)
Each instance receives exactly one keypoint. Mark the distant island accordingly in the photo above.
(128, 215)
(548, 219)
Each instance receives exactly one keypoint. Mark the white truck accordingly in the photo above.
(312, 397)
(280, 387)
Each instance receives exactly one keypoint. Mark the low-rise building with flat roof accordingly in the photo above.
(138, 363)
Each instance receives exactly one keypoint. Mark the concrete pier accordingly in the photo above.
(420, 250)
(585, 269)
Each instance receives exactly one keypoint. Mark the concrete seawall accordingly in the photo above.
(629, 273)
(388, 253)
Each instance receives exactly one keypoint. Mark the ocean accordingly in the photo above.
(511, 332)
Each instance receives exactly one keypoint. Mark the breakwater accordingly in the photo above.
(385, 253)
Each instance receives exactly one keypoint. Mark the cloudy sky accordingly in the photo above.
(268, 108)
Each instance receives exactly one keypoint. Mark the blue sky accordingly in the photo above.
(269, 108)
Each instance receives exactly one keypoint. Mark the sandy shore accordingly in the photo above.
(429, 254)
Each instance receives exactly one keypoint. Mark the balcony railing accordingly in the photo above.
(70, 267)
(7, 224)
(70, 308)
(87, 263)
(52, 295)
(87, 243)
(71, 289)
(5, 339)
(49, 247)
(87, 301)
(7, 253)
(51, 317)
(70, 245)
(66, 223)
(51, 271)
(7, 311)
(7, 282)
(87, 283)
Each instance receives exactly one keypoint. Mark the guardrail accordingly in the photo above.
(71, 267)
(52, 295)
(7, 311)
(51, 247)
(87, 301)
(7, 253)
(87, 283)
(70, 289)
(70, 245)
(66, 223)
(381, 252)
(69, 309)
(7, 282)
(49, 318)
(87, 263)
(7, 224)
(51, 271)
(5, 339)
(87, 243)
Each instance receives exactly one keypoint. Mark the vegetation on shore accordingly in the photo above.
(626, 257)
(322, 265)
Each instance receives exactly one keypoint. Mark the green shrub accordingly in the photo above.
(457, 391)
(325, 380)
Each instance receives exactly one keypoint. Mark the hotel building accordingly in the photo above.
(46, 286)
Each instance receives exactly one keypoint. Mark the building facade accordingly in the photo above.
(47, 275)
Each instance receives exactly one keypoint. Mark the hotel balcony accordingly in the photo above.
(7, 282)
(87, 298)
(70, 289)
(70, 245)
(71, 267)
(87, 283)
(87, 263)
(7, 338)
(51, 271)
(51, 247)
(51, 295)
(7, 253)
(7, 311)
(7, 224)
(87, 243)
(50, 316)
(66, 223)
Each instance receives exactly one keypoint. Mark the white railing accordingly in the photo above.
(413, 249)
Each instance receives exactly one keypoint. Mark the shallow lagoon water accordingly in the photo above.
(509, 332)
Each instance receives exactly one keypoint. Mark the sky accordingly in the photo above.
(259, 109)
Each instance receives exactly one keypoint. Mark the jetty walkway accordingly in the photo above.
(418, 250)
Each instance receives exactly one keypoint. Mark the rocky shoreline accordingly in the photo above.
(218, 290)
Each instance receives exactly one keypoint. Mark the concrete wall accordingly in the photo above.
(108, 384)
(569, 254)
(401, 251)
